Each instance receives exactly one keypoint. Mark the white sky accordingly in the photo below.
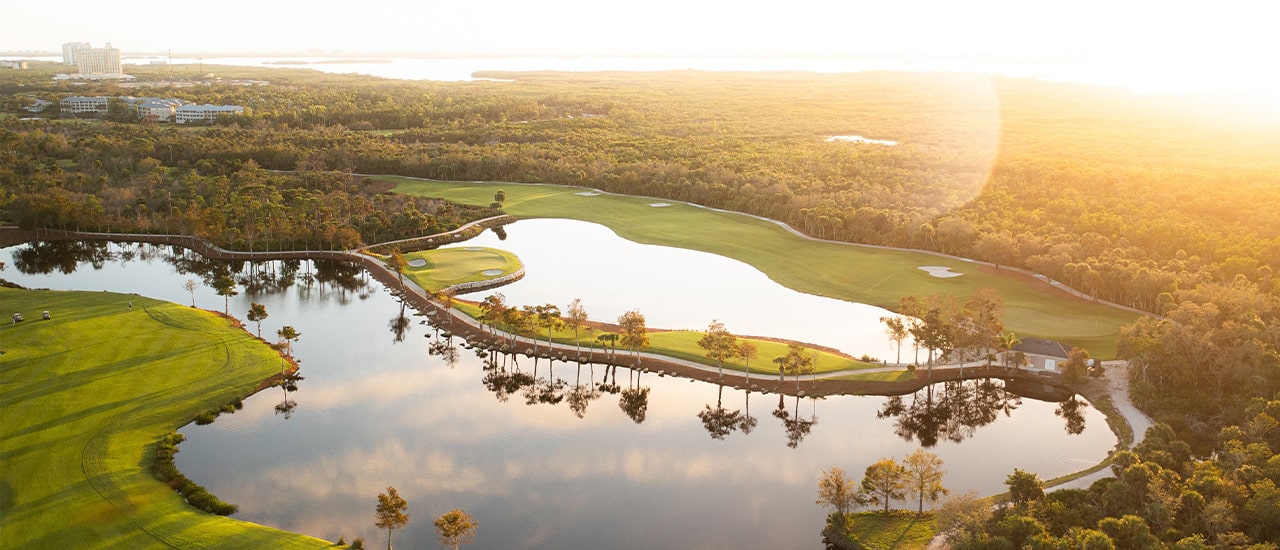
(1221, 40)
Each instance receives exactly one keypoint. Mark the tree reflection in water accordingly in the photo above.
(793, 425)
(951, 410)
(720, 422)
(500, 381)
(288, 384)
(748, 422)
(1072, 410)
(634, 400)
(947, 411)
(444, 348)
(45, 257)
(580, 396)
(399, 326)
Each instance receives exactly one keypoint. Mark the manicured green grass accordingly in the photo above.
(889, 376)
(88, 394)
(855, 273)
(683, 344)
(450, 266)
(896, 531)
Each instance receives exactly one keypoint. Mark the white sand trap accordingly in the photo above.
(491, 272)
(474, 248)
(940, 271)
(588, 194)
(659, 204)
(417, 262)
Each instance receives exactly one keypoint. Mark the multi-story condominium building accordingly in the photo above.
(70, 49)
(98, 61)
(204, 113)
(157, 108)
(80, 104)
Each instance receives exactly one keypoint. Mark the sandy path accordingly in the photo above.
(1117, 380)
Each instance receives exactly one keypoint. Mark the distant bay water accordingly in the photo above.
(1136, 74)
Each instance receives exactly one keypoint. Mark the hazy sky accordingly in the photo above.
(1232, 43)
(1157, 28)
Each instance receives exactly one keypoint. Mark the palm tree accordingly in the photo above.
(896, 328)
(797, 361)
(746, 351)
(1008, 341)
(576, 319)
(225, 286)
(548, 317)
(288, 334)
(257, 312)
(396, 262)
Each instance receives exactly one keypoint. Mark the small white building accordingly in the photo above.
(204, 113)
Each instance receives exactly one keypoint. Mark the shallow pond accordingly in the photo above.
(563, 461)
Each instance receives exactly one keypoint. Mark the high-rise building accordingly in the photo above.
(99, 61)
(69, 51)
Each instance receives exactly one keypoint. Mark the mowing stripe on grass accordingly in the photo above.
(86, 397)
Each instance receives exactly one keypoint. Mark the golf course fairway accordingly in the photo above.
(86, 397)
(869, 275)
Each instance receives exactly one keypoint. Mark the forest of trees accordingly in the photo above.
(1128, 198)
(1170, 205)
(1162, 496)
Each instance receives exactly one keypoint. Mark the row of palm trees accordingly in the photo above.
(721, 345)
(529, 320)
(946, 328)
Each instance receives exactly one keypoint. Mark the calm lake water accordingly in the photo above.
(568, 458)
(676, 288)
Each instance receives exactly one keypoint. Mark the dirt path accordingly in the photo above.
(1117, 381)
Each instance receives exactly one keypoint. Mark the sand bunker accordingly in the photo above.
(417, 262)
(588, 194)
(491, 272)
(860, 139)
(940, 271)
(659, 204)
(474, 248)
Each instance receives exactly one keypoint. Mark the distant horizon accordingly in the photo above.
(1141, 44)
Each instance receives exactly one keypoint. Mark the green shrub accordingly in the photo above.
(195, 494)
(206, 417)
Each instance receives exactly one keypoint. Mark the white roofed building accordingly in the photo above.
(204, 113)
(157, 108)
(80, 104)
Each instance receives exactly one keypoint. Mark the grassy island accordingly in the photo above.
(437, 269)
(88, 395)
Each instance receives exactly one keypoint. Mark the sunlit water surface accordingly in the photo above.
(375, 410)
